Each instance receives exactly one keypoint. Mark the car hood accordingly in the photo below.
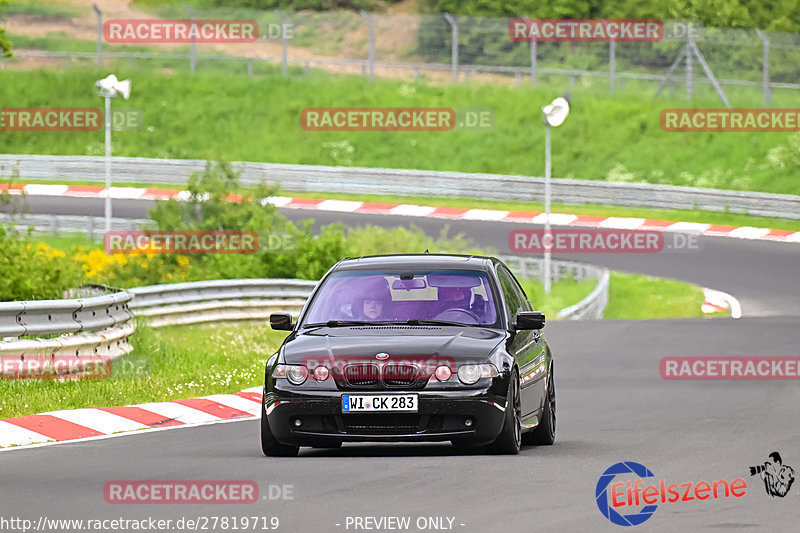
(365, 342)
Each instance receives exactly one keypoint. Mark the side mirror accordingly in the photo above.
(281, 321)
(529, 320)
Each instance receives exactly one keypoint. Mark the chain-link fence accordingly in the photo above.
(439, 47)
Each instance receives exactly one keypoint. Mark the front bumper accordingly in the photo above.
(441, 417)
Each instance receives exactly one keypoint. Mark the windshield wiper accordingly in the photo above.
(411, 322)
(346, 323)
(418, 322)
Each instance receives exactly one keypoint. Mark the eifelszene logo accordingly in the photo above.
(630, 495)
(778, 477)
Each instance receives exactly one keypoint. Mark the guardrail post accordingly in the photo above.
(765, 67)
(193, 53)
(371, 57)
(99, 35)
(453, 44)
(284, 44)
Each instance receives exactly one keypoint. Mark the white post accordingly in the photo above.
(108, 163)
(547, 237)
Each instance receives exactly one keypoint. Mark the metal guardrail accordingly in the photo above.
(406, 182)
(57, 224)
(87, 328)
(58, 317)
(591, 307)
(220, 300)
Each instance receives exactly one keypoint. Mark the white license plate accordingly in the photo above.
(406, 403)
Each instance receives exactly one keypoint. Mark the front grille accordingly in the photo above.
(435, 423)
(361, 375)
(372, 376)
(382, 423)
(400, 375)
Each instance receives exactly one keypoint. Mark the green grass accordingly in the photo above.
(183, 362)
(39, 8)
(635, 296)
(563, 293)
(212, 115)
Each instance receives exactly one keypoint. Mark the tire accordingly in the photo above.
(269, 445)
(510, 438)
(545, 433)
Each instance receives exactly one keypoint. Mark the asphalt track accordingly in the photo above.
(612, 406)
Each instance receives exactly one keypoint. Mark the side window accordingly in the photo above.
(511, 294)
(526, 304)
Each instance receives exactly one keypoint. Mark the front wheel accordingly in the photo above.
(545, 432)
(510, 438)
(269, 445)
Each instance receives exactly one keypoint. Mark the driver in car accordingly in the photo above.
(450, 298)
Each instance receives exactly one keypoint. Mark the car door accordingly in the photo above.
(526, 346)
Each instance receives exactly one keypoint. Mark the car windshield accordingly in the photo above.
(457, 297)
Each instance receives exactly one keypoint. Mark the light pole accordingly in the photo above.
(554, 115)
(109, 88)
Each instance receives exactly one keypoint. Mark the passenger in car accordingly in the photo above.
(374, 301)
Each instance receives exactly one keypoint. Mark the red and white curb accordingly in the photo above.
(411, 210)
(715, 301)
(104, 422)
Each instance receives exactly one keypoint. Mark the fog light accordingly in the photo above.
(298, 422)
(468, 422)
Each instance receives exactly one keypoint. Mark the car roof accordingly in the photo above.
(417, 261)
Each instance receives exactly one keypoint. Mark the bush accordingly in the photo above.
(34, 271)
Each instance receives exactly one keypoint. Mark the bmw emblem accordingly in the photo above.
(382, 356)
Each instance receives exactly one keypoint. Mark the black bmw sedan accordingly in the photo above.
(411, 348)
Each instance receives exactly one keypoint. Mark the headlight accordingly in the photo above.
(469, 374)
(296, 374)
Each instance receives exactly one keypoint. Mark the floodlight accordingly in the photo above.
(556, 112)
(111, 87)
